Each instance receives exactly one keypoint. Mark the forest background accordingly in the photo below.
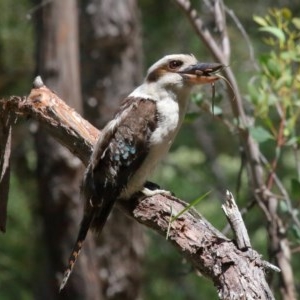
(205, 157)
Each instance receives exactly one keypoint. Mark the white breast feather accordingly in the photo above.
(170, 117)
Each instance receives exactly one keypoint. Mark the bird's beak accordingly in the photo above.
(201, 73)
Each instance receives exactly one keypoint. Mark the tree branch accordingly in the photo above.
(236, 222)
(6, 122)
(236, 274)
(267, 201)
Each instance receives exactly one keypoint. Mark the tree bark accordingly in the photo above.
(111, 68)
(236, 273)
(59, 172)
(111, 55)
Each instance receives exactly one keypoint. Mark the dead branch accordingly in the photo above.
(236, 222)
(6, 122)
(266, 200)
(236, 274)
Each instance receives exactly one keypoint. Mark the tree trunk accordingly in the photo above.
(111, 68)
(59, 172)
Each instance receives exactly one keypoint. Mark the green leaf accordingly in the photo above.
(261, 21)
(286, 13)
(260, 134)
(283, 207)
(296, 231)
(296, 22)
(285, 80)
(274, 31)
(292, 141)
(288, 55)
(193, 203)
(273, 67)
(253, 92)
(264, 58)
(173, 218)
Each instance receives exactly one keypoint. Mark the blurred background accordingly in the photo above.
(92, 53)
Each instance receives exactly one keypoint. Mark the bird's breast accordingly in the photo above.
(169, 121)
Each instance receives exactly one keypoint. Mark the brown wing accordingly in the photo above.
(126, 146)
(119, 152)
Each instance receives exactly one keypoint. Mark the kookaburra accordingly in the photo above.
(141, 133)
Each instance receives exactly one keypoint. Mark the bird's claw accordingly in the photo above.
(149, 193)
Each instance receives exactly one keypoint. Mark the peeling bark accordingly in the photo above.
(236, 274)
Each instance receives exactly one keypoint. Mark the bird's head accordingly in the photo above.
(180, 72)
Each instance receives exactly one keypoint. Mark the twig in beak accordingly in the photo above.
(227, 81)
(213, 93)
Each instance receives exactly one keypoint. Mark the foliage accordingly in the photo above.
(275, 96)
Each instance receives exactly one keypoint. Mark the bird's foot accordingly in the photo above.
(149, 193)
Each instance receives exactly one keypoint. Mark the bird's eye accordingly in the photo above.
(175, 64)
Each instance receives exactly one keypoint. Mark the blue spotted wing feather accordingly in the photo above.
(120, 151)
(127, 147)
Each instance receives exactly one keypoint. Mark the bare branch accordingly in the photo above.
(201, 30)
(63, 122)
(204, 34)
(220, 19)
(241, 28)
(6, 121)
(284, 194)
(236, 221)
(206, 248)
(264, 197)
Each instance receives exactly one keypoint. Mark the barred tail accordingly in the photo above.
(84, 228)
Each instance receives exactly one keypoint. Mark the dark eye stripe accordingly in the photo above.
(175, 64)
